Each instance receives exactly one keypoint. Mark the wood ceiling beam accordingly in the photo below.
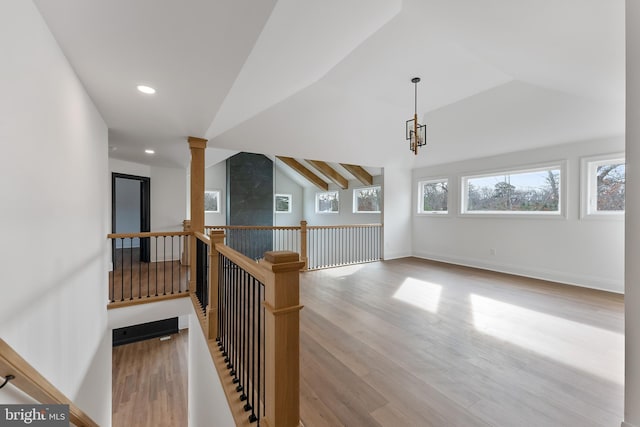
(305, 172)
(359, 172)
(330, 173)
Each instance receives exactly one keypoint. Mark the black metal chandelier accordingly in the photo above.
(415, 132)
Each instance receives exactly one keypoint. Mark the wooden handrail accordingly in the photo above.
(253, 227)
(281, 227)
(316, 227)
(246, 263)
(147, 234)
(30, 381)
(202, 237)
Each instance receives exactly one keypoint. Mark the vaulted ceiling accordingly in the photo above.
(330, 80)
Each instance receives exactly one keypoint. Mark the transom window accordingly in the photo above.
(526, 191)
(433, 196)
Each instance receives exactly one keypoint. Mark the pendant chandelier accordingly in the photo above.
(415, 132)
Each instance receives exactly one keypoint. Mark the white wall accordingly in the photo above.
(53, 274)
(207, 402)
(586, 252)
(285, 185)
(168, 199)
(397, 237)
(128, 168)
(632, 231)
(151, 312)
(346, 214)
(215, 178)
(168, 192)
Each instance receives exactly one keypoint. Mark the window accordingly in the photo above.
(282, 203)
(603, 185)
(366, 200)
(433, 196)
(212, 201)
(534, 191)
(327, 202)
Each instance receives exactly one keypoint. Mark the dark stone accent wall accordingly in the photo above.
(250, 199)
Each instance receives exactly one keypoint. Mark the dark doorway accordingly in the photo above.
(131, 210)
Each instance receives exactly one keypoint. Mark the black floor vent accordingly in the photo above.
(144, 331)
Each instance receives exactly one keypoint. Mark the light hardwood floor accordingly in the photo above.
(150, 383)
(416, 343)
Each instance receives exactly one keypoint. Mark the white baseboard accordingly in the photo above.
(599, 283)
(395, 255)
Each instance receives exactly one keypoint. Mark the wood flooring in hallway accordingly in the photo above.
(150, 383)
(416, 343)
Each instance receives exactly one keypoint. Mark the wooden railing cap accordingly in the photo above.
(279, 257)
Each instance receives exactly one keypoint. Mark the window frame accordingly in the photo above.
(589, 186)
(337, 193)
(420, 199)
(561, 213)
(275, 205)
(355, 204)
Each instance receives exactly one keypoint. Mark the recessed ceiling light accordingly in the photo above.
(146, 89)
(148, 151)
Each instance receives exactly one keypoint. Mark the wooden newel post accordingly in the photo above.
(303, 245)
(212, 305)
(197, 147)
(282, 338)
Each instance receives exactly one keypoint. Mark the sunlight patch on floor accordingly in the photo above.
(582, 346)
(419, 293)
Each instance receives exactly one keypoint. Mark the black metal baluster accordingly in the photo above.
(236, 344)
(112, 273)
(180, 266)
(245, 304)
(241, 334)
(205, 278)
(130, 268)
(252, 403)
(173, 261)
(220, 298)
(264, 394)
(232, 350)
(225, 337)
(259, 351)
(140, 272)
(156, 237)
(226, 312)
(164, 265)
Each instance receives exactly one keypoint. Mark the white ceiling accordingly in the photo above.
(330, 80)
